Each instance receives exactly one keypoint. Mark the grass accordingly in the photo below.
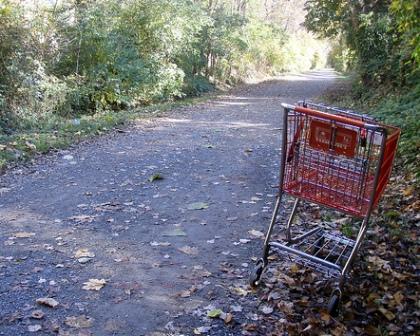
(39, 136)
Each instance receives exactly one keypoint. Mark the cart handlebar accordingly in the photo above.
(338, 118)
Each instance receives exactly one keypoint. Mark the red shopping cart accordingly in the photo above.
(335, 158)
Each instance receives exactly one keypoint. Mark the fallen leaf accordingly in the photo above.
(398, 297)
(163, 244)
(256, 233)
(239, 291)
(4, 190)
(266, 309)
(30, 145)
(250, 327)
(177, 232)
(201, 330)
(289, 280)
(214, 313)
(155, 177)
(388, 314)
(94, 284)
(408, 191)
(274, 295)
(79, 322)
(24, 234)
(228, 318)
(34, 327)
(199, 271)
(379, 263)
(84, 260)
(307, 328)
(84, 253)
(325, 316)
(83, 218)
(197, 206)
(294, 268)
(37, 314)
(50, 302)
(285, 307)
(188, 292)
(189, 250)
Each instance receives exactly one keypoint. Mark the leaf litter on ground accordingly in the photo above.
(381, 297)
(49, 302)
(94, 284)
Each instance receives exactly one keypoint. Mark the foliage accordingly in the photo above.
(402, 110)
(407, 16)
(397, 108)
(92, 61)
(380, 41)
(82, 56)
(383, 37)
(340, 57)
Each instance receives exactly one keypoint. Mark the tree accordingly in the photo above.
(376, 31)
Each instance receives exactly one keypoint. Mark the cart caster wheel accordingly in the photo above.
(254, 278)
(334, 304)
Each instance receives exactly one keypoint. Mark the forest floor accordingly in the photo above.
(152, 231)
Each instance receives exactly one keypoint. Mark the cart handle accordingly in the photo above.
(338, 118)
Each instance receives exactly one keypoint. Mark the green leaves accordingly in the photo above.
(120, 54)
(214, 313)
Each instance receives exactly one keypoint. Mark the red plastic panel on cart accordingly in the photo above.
(327, 136)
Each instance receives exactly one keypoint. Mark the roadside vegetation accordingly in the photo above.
(378, 44)
(78, 67)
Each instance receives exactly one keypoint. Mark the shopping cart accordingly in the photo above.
(335, 158)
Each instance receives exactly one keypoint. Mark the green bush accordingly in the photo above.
(403, 111)
(75, 58)
(340, 57)
(194, 86)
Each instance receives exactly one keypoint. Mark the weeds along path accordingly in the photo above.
(145, 232)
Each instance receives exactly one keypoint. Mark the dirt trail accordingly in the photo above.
(170, 250)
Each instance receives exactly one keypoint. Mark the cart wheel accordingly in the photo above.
(334, 304)
(255, 275)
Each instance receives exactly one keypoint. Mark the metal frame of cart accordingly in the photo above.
(336, 158)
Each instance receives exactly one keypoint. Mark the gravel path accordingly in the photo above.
(166, 252)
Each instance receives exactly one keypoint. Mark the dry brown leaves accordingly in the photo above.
(382, 296)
